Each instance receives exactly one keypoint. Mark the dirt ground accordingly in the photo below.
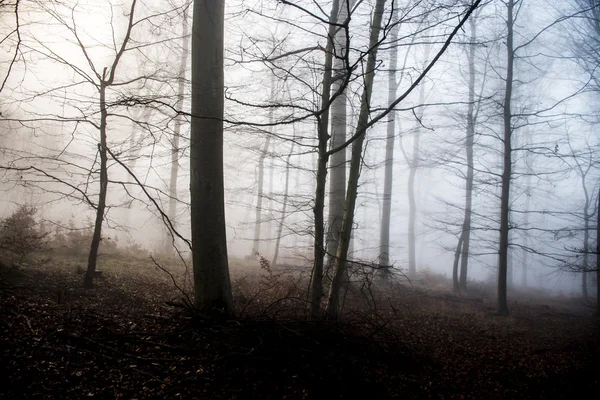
(121, 340)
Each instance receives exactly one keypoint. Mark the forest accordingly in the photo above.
(299, 199)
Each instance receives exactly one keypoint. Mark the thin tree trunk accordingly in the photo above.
(316, 285)
(412, 203)
(261, 178)
(260, 196)
(107, 79)
(506, 174)
(212, 285)
(470, 140)
(177, 129)
(384, 234)
(271, 217)
(285, 200)
(525, 265)
(88, 281)
(355, 164)
(337, 179)
(586, 235)
(586, 247)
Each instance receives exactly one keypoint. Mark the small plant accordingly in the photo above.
(20, 235)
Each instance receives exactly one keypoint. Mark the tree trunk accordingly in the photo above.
(337, 179)
(525, 265)
(261, 177)
(177, 129)
(260, 195)
(506, 174)
(586, 237)
(470, 140)
(598, 257)
(586, 248)
(457, 255)
(88, 281)
(212, 286)
(386, 213)
(355, 163)
(285, 200)
(316, 284)
(412, 203)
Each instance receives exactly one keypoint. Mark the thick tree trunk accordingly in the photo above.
(355, 163)
(88, 281)
(316, 284)
(470, 140)
(457, 255)
(386, 212)
(507, 173)
(212, 286)
(177, 130)
(598, 257)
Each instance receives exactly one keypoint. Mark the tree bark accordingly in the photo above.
(470, 140)
(457, 255)
(598, 257)
(316, 284)
(88, 281)
(506, 174)
(355, 164)
(386, 212)
(212, 286)
(337, 179)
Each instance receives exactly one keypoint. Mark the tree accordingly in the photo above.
(357, 141)
(384, 235)
(507, 164)
(212, 286)
(413, 162)
(178, 121)
(337, 179)
(464, 241)
(355, 163)
(10, 36)
(316, 284)
(106, 79)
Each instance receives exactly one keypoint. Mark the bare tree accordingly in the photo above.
(179, 122)
(464, 241)
(507, 163)
(355, 163)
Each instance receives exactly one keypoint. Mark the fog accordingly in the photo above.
(273, 71)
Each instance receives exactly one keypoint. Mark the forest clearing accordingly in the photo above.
(121, 340)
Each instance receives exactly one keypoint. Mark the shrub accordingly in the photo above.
(73, 241)
(20, 235)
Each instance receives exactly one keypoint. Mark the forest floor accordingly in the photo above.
(120, 340)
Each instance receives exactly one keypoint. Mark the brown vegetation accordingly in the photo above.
(122, 340)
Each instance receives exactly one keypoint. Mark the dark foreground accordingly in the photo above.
(120, 340)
